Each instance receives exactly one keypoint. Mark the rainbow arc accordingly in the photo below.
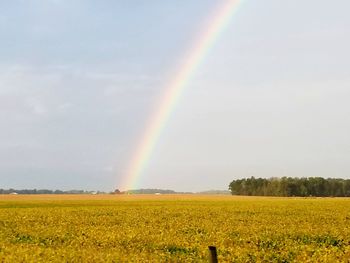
(174, 90)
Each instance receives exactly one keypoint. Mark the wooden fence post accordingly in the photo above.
(213, 255)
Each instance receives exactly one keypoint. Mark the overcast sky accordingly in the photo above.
(79, 79)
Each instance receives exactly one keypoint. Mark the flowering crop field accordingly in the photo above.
(173, 228)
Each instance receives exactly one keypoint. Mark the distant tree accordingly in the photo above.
(117, 192)
(289, 186)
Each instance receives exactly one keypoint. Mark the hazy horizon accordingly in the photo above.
(79, 80)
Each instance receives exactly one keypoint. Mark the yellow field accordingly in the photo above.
(175, 228)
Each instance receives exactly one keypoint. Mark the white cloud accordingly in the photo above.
(64, 107)
(108, 168)
(36, 106)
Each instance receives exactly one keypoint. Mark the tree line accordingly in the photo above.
(289, 186)
(45, 191)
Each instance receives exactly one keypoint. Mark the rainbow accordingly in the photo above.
(168, 101)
